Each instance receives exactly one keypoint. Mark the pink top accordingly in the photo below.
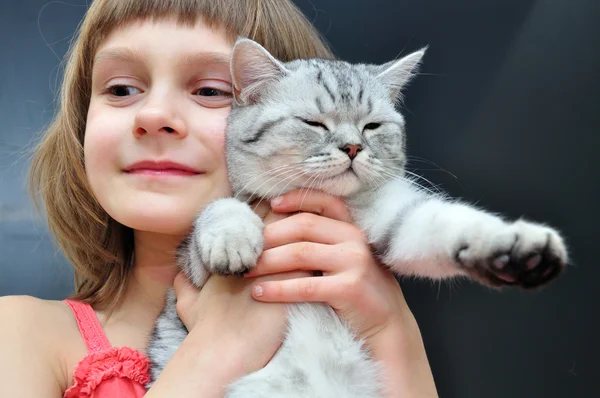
(105, 372)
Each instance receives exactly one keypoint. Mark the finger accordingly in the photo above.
(282, 275)
(183, 286)
(307, 227)
(311, 201)
(272, 217)
(185, 291)
(306, 256)
(312, 289)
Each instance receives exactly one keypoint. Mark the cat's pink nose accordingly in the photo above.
(352, 150)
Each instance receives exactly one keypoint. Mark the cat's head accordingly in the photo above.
(321, 124)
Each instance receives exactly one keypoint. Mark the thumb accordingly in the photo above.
(185, 291)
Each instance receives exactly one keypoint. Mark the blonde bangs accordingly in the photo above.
(99, 248)
(278, 25)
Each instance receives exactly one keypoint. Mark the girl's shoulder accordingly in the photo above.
(43, 333)
(43, 319)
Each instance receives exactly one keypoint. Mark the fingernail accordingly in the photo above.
(258, 290)
(276, 201)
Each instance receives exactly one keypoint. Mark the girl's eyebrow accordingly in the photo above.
(120, 54)
(205, 58)
(126, 55)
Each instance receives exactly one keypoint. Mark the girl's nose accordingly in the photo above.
(155, 120)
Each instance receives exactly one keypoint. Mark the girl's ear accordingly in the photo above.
(253, 71)
(396, 74)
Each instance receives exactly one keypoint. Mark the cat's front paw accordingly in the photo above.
(229, 236)
(522, 254)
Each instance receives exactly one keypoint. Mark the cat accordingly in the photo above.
(334, 126)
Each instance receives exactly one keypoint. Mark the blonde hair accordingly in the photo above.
(99, 248)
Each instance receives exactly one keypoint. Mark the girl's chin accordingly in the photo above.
(172, 214)
(166, 221)
(162, 227)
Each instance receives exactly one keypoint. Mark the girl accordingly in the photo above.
(133, 155)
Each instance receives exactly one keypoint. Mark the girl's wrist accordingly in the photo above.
(200, 367)
(400, 351)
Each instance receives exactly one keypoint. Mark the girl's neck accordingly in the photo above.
(155, 257)
(153, 272)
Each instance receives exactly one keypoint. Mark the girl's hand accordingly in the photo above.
(322, 239)
(228, 298)
(241, 331)
(230, 334)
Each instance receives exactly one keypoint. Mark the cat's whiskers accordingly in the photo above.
(256, 191)
(278, 172)
(371, 180)
(412, 158)
(306, 188)
(283, 190)
(320, 182)
(252, 180)
(265, 196)
(377, 177)
(397, 170)
(382, 159)
(412, 182)
(434, 187)
(291, 178)
(374, 179)
(437, 167)
(311, 181)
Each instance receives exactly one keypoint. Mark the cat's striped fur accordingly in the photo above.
(334, 126)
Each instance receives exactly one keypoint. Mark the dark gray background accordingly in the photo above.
(508, 102)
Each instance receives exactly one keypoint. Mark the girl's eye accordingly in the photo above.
(121, 90)
(210, 96)
(212, 92)
(371, 126)
(315, 124)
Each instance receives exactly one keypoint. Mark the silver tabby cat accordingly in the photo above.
(334, 126)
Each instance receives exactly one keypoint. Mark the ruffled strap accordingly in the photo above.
(98, 367)
(89, 326)
(121, 370)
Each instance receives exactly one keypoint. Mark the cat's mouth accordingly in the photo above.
(349, 172)
(342, 184)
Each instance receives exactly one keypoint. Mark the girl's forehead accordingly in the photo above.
(167, 37)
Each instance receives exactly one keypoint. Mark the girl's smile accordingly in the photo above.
(161, 168)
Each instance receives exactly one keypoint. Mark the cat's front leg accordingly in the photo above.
(519, 253)
(227, 239)
(430, 236)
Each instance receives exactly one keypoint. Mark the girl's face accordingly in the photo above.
(154, 140)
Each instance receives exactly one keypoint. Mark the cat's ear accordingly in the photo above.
(396, 74)
(253, 70)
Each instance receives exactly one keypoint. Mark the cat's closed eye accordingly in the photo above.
(371, 126)
(315, 124)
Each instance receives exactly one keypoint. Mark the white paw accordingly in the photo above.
(229, 236)
(521, 253)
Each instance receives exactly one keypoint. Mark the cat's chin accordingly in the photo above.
(344, 184)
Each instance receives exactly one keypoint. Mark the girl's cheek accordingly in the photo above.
(100, 142)
(214, 132)
(220, 138)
